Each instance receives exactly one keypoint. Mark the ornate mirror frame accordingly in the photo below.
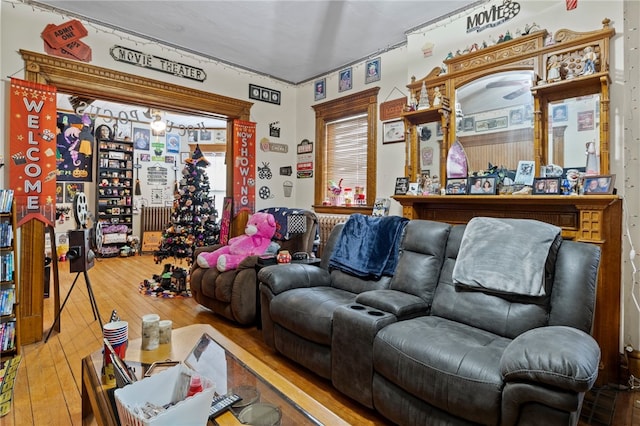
(529, 52)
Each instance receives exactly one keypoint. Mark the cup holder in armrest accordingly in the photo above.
(375, 313)
(357, 307)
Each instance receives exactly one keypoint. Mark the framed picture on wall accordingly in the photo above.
(184, 156)
(319, 89)
(372, 71)
(393, 131)
(345, 81)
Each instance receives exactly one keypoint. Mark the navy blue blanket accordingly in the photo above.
(368, 246)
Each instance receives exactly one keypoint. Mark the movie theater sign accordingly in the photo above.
(145, 60)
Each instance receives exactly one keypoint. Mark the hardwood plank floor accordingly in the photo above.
(48, 386)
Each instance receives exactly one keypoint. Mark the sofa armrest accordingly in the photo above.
(402, 305)
(560, 356)
(279, 278)
(205, 249)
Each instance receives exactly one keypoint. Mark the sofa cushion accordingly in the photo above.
(507, 256)
(452, 366)
(308, 312)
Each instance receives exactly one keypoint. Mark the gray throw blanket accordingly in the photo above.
(368, 246)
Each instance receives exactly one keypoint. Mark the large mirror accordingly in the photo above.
(493, 119)
(573, 133)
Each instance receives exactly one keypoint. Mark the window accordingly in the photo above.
(346, 131)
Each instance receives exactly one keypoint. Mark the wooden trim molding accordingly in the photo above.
(361, 102)
(83, 79)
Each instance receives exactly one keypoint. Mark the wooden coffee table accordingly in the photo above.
(243, 369)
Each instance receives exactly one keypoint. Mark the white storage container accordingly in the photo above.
(161, 389)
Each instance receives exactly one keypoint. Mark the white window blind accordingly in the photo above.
(346, 154)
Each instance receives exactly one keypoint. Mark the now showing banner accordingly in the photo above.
(32, 150)
(244, 167)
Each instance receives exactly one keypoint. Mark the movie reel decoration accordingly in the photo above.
(83, 243)
(264, 192)
(81, 210)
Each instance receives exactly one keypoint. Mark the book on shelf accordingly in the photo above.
(7, 299)
(6, 200)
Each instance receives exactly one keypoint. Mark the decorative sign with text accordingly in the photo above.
(392, 109)
(244, 167)
(64, 40)
(145, 60)
(32, 151)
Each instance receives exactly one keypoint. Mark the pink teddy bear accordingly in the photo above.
(257, 235)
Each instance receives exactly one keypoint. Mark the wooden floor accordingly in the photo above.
(48, 386)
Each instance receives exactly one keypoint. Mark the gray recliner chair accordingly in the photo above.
(232, 294)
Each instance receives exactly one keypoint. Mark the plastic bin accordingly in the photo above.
(161, 389)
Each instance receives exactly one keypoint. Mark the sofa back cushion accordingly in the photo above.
(507, 316)
(343, 280)
(422, 252)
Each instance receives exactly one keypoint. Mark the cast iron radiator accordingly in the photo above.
(326, 222)
(155, 218)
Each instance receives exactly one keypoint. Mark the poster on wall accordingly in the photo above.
(244, 167)
(32, 150)
(75, 145)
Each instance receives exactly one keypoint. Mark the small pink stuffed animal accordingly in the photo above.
(257, 236)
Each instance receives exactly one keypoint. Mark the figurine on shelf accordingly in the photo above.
(553, 69)
(593, 165)
(589, 58)
(423, 102)
(436, 96)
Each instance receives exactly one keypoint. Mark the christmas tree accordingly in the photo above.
(194, 218)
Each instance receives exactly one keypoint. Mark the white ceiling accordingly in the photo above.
(290, 40)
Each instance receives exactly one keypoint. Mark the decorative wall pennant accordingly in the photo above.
(32, 150)
(244, 184)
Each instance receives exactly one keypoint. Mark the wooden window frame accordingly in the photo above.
(365, 102)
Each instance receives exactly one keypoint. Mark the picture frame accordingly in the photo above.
(345, 80)
(320, 89)
(468, 124)
(184, 156)
(372, 71)
(402, 186)
(482, 185)
(206, 135)
(393, 131)
(516, 116)
(525, 172)
(546, 186)
(414, 188)
(456, 186)
(599, 185)
(585, 121)
(559, 113)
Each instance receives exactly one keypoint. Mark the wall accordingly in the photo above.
(296, 115)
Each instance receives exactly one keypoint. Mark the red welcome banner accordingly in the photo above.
(32, 150)
(244, 167)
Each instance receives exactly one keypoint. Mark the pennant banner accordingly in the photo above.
(32, 150)
(244, 168)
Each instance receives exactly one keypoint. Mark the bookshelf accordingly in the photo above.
(9, 341)
(115, 194)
